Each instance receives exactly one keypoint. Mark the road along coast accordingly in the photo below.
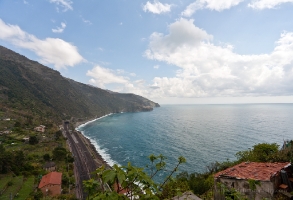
(86, 158)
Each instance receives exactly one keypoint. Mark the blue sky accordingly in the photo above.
(192, 51)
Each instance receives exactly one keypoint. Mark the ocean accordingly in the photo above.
(201, 133)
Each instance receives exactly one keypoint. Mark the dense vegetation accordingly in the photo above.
(21, 161)
(38, 93)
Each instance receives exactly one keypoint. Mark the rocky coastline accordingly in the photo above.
(92, 149)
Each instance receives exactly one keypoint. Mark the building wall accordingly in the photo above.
(53, 190)
(51, 169)
(264, 190)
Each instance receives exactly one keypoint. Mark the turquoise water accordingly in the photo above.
(201, 133)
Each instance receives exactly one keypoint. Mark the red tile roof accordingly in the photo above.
(53, 178)
(253, 170)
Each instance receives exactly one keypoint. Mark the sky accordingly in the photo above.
(172, 52)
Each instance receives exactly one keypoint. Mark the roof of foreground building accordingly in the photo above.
(53, 178)
(253, 170)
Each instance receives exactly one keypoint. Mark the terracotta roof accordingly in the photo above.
(54, 178)
(253, 170)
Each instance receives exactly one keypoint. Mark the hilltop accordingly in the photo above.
(38, 93)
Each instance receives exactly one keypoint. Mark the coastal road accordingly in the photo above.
(83, 162)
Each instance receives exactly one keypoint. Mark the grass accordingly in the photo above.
(26, 188)
(4, 179)
(13, 189)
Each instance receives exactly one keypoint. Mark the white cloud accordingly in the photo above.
(182, 32)
(86, 21)
(65, 4)
(59, 29)
(103, 76)
(156, 7)
(267, 4)
(208, 70)
(217, 5)
(114, 80)
(156, 66)
(50, 50)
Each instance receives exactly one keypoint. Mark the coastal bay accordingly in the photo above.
(201, 133)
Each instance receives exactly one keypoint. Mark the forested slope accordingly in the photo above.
(36, 91)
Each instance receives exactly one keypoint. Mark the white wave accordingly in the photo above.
(102, 152)
(88, 122)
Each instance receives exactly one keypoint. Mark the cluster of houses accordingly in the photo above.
(40, 128)
(51, 183)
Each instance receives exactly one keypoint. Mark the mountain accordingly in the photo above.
(36, 92)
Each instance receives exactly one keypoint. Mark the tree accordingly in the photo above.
(174, 188)
(46, 157)
(58, 134)
(133, 181)
(59, 153)
(33, 140)
(262, 152)
(17, 124)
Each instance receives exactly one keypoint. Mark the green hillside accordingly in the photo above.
(39, 93)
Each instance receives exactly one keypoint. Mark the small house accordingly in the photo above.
(6, 132)
(26, 139)
(50, 184)
(49, 166)
(40, 128)
(268, 178)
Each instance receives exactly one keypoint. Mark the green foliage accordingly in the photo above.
(37, 194)
(229, 193)
(10, 183)
(33, 140)
(58, 134)
(12, 187)
(12, 161)
(26, 188)
(197, 182)
(46, 157)
(70, 159)
(59, 153)
(133, 181)
(41, 94)
(260, 153)
(174, 188)
(253, 183)
(17, 124)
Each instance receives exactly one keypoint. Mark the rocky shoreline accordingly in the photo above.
(92, 149)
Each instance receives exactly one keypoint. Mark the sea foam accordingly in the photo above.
(102, 152)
